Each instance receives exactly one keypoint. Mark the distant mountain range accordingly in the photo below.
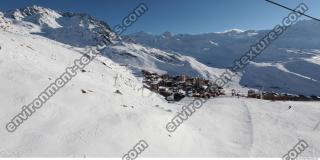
(290, 64)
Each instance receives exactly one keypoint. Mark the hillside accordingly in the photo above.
(82, 30)
(89, 118)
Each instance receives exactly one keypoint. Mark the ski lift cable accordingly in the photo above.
(280, 5)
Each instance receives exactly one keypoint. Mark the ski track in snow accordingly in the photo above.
(250, 126)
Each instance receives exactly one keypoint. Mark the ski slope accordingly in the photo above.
(37, 44)
(102, 123)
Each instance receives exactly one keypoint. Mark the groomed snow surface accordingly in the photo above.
(102, 123)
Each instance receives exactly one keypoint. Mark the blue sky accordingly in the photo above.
(178, 16)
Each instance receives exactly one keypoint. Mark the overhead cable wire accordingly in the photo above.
(280, 5)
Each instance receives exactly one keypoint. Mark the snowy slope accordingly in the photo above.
(96, 124)
(82, 30)
(101, 123)
(139, 57)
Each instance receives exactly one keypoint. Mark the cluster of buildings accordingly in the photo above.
(174, 88)
(281, 96)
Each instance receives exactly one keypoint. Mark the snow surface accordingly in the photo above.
(140, 58)
(102, 123)
(82, 30)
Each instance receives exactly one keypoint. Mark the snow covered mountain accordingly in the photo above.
(88, 118)
(102, 123)
(69, 28)
(81, 30)
(140, 58)
(290, 64)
